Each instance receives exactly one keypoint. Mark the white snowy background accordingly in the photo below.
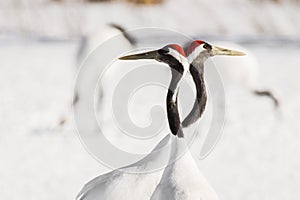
(258, 155)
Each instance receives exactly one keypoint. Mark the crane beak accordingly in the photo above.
(227, 52)
(146, 55)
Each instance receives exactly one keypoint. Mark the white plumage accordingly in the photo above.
(182, 179)
(93, 67)
(134, 182)
(91, 55)
(90, 42)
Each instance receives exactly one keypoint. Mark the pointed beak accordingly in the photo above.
(227, 52)
(146, 55)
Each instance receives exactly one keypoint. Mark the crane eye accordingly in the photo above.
(207, 46)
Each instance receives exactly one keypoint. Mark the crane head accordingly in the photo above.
(165, 54)
(172, 54)
(199, 49)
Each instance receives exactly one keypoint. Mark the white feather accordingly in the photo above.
(121, 184)
(182, 180)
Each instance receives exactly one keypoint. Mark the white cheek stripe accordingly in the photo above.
(181, 59)
(195, 53)
(186, 66)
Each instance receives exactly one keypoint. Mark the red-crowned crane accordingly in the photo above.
(182, 180)
(119, 184)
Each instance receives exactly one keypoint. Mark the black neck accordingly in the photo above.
(171, 103)
(172, 106)
(201, 96)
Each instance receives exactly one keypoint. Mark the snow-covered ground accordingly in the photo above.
(44, 18)
(257, 157)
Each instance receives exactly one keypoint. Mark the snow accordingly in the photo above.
(257, 156)
(38, 160)
(71, 19)
(259, 143)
